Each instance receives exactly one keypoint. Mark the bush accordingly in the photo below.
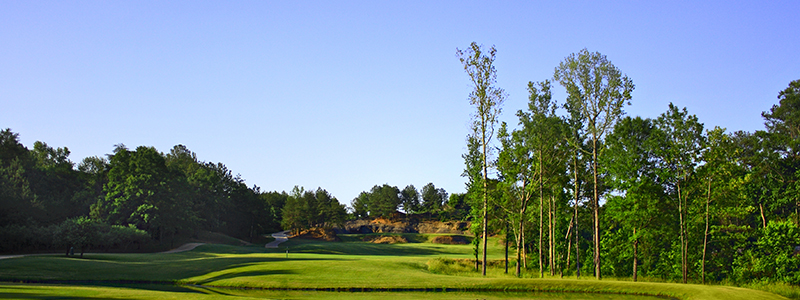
(771, 259)
(122, 237)
(450, 240)
(80, 233)
(447, 266)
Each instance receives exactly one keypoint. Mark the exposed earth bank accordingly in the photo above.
(409, 225)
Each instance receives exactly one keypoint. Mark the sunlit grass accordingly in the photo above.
(326, 265)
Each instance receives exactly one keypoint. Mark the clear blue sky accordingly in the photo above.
(344, 95)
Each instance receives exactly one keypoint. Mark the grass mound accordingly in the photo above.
(385, 239)
(450, 240)
(209, 237)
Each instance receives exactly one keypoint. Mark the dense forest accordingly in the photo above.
(130, 197)
(583, 189)
(143, 199)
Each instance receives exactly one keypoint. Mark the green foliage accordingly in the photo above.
(432, 198)
(360, 205)
(409, 199)
(18, 203)
(783, 122)
(457, 207)
(143, 191)
(307, 209)
(597, 91)
(166, 195)
(80, 233)
(487, 100)
(772, 257)
(630, 165)
(384, 200)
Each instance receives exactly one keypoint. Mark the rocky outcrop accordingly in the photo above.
(381, 225)
(320, 234)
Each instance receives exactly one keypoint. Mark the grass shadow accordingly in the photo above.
(32, 292)
(366, 248)
(244, 274)
(5, 295)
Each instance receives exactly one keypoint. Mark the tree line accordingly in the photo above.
(47, 202)
(138, 199)
(582, 188)
(385, 200)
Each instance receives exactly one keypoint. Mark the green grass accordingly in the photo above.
(45, 291)
(313, 265)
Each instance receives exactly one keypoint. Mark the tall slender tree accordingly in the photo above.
(782, 144)
(574, 137)
(598, 91)
(515, 164)
(679, 152)
(630, 168)
(544, 130)
(487, 99)
(719, 168)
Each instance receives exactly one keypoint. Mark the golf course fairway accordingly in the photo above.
(306, 269)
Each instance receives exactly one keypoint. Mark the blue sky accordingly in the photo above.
(344, 95)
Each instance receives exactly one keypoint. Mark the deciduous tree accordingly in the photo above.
(598, 91)
(680, 144)
(487, 99)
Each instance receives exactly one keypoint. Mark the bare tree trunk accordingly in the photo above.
(485, 202)
(520, 245)
(550, 236)
(635, 255)
(506, 240)
(683, 238)
(477, 261)
(520, 235)
(577, 245)
(635, 246)
(569, 246)
(596, 208)
(485, 231)
(763, 218)
(541, 216)
(524, 251)
(705, 236)
(686, 259)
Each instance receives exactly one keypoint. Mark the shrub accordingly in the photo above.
(771, 259)
(449, 266)
(450, 240)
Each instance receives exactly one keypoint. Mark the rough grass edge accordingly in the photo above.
(780, 288)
